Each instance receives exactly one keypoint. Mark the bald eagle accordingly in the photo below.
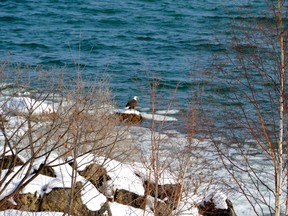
(132, 103)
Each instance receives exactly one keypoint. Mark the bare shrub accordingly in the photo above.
(42, 115)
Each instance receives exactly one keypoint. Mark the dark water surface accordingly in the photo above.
(128, 40)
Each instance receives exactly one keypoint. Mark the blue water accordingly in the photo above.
(128, 40)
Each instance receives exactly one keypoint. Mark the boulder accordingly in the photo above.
(104, 211)
(216, 205)
(3, 118)
(43, 117)
(129, 117)
(23, 202)
(27, 202)
(10, 161)
(168, 192)
(129, 198)
(48, 171)
(59, 200)
(96, 174)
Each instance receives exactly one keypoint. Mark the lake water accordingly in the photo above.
(130, 41)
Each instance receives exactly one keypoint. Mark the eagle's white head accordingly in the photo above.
(135, 98)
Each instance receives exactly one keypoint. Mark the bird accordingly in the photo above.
(132, 103)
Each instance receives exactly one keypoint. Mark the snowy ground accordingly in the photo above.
(204, 164)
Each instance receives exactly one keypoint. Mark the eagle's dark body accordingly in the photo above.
(132, 103)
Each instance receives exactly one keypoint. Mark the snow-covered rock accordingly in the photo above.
(128, 115)
(216, 203)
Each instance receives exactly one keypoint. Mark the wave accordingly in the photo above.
(33, 45)
(10, 18)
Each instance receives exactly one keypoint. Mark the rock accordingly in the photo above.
(209, 208)
(168, 192)
(159, 207)
(129, 198)
(23, 202)
(43, 117)
(59, 200)
(27, 202)
(10, 161)
(47, 170)
(3, 118)
(105, 210)
(96, 174)
(129, 118)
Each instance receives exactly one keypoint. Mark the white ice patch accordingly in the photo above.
(26, 105)
(157, 117)
(167, 112)
(145, 109)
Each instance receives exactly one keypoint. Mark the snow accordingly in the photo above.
(90, 196)
(26, 213)
(218, 198)
(129, 177)
(127, 111)
(124, 210)
(122, 176)
(84, 161)
(37, 185)
(187, 205)
(14, 176)
(164, 176)
(26, 105)
(185, 209)
(132, 111)
(145, 115)
(7, 151)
